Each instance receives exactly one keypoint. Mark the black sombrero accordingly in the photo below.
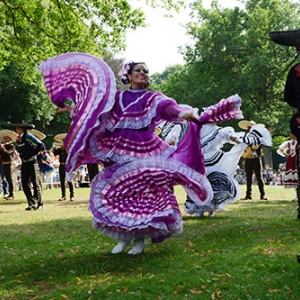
(286, 38)
(22, 124)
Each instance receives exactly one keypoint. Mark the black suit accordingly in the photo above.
(63, 155)
(8, 152)
(28, 147)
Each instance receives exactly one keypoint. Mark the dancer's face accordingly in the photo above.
(139, 77)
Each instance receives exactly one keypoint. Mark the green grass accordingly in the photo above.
(247, 251)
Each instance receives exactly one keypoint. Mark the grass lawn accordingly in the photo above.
(247, 251)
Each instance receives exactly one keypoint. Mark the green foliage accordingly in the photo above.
(32, 31)
(21, 99)
(232, 53)
(43, 28)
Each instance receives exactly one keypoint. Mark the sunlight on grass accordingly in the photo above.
(247, 251)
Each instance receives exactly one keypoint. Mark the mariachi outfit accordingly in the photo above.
(29, 147)
(292, 90)
(252, 165)
(8, 152)
(132, 197)
(256, 136)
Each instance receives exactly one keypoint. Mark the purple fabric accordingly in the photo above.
(136, 198)
(225, 110)
(90, 84)
(129, 132)
(132, 196)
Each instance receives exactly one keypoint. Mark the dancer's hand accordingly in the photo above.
(235, 139)
(189, 116)
(66, 108)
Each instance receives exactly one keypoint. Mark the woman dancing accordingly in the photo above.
(131, 198)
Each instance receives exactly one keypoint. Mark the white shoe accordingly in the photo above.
(295, 199)
(211, 214)
(138, 247)
(119, 248)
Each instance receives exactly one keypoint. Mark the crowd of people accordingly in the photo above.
(269, 175)
(50, 173)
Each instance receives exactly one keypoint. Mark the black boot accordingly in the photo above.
(40, 205)
(298, 209)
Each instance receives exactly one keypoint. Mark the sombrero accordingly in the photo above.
(22, 124)
(244, 124)
(60, 137)
(37, 133)
(286, 38)
(157, 131)
(5, 132)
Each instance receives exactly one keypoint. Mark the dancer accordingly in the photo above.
(220, 172)
(131, 199)
(288, 149)
(220, 166)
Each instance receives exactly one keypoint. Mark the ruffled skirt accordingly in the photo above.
(135, 200)
(291, 174)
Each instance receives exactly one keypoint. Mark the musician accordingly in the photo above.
(253, 164)
(8, 150)
(28, 147)
(59, 150)
(292, 93)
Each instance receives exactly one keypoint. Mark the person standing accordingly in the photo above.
(288, 149)
(8, 150)
(131, 199)
(29, 147)
(292, 92)
(252, 155)
(292, 89)
(59, 150)
(4, 180)
(93, 170)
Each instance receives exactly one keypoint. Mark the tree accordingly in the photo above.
(43, 28)
(232, 53)
(20, 99)
(33, 30)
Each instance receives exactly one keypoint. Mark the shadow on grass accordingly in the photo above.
(49, 255)
(52, 255)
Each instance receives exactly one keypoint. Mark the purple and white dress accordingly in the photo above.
(132, 197)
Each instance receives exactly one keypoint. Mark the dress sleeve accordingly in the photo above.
(170, 110)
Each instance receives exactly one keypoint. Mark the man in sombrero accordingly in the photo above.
(29, 147)
(292, 89)
(7, 151)
(252, 155)
(292, 92)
